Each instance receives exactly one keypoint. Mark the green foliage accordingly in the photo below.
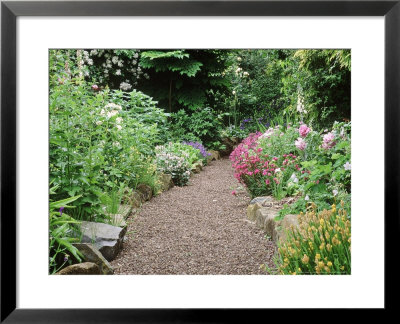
(62, 233)
(201, 125)
(318, 82)
(183, 79)
(95, 143)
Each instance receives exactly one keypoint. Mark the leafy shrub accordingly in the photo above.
(201, 125)
(174, 162)
(321, 244)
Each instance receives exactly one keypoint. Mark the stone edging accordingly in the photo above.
(262, 211)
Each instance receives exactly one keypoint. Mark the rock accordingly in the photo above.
(91, 254)
(145, 191)
(136, 200)
(214, 155)
(197, 167)
(106, 238)
(265, 219)
(288, 222)
(251, 211)
(85, 268)
(262, 200)
(166, 182)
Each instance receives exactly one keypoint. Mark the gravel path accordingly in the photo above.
(197, 229)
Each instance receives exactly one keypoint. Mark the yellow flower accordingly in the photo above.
(305, 259)
(317, 256)
(329, 247)
(321, 264)
(342, 268)
(322, 246)
(321, 221)
(327, 235)
(327, 269)
(329, 264)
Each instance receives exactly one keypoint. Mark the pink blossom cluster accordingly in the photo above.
(243, 148)
(304, 130)
(301, 144)
(328, 141)
(255, 169)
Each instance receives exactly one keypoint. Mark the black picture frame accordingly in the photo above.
(10, 10)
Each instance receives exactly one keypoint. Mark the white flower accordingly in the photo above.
(115, 59)
(117, 144)
(245, 74)
(239, 58)
(118, 72)
(347, 166)
(99, 122)
(300, 104)
(125, 86)
(335, 192)
(121, 63)
(233, 92)
(90, 61)
(112, 113)
(307, 198)
(119, 127)
(295, 180)
(119, 120)
(278, 170)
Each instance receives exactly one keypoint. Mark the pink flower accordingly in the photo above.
(267, 181)
(304, 130)
(256, 171)
(234, 192)
(300, 144)
(328, 141)
(95, 87)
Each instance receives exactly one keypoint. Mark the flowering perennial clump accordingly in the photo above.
(200, 147)
(328, 141)
(260, 172)
(171, 163)
(304, 130)
(321, 244)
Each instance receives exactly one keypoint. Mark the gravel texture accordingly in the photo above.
(197, 229)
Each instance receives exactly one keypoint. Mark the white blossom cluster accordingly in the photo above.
(170, 163)
(116, 64)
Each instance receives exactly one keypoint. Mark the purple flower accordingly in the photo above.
(198, 146)
(61, 211)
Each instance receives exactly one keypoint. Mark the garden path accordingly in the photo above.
(197, 229)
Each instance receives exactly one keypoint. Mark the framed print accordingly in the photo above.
(34, 32)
